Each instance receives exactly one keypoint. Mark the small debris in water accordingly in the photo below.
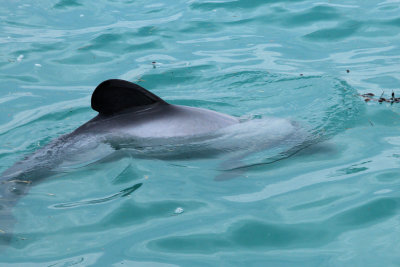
(18, 181)
(38, 65)
(301, 74)
(2, 232)
(178, 210)
(372, 124)
(51, 194)
(20, 57)
(370, 97)
(348, 71)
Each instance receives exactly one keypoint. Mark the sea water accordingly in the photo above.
(328, 197)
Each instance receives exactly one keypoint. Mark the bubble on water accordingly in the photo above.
(178, 210)
(38, 65)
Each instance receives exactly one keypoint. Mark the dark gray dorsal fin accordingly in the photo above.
(114, 96)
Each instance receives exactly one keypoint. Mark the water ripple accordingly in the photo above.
(123, 193)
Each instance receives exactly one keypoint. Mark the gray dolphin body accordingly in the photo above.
(126, 111)
(159, 120)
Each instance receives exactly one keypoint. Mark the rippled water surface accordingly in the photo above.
(257, 194)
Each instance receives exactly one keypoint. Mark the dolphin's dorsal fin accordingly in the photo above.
(114, 96)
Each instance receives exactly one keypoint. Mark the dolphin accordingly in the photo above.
(126, 111)
(130, 116)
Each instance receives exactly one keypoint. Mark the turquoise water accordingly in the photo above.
(327, 197)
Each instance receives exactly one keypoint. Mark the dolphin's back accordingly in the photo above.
(128, 109)
(159, 121)
(176, 121)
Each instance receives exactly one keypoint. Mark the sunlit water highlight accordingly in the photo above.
(308, 178)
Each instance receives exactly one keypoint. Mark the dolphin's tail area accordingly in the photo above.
(7, 222)
(13, 186)
(16, 181)
(11, 191)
